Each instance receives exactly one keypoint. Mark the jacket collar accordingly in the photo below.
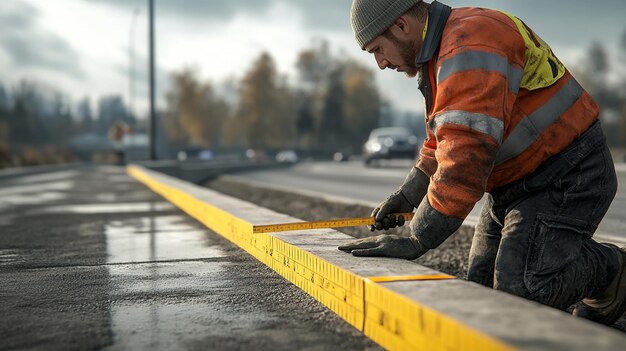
(438, 14)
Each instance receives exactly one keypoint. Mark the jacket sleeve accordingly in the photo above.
(476, 88)
(427, 162)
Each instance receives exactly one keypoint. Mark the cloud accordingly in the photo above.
(142, 77)
(334, 15)
(318, 14)
(325, 14)
(29, 46)
(195, 9)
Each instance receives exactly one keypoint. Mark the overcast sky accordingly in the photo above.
(81, 46)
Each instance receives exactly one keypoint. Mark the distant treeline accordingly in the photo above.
(331, 104)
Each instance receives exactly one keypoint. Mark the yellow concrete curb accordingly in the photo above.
(387, 317)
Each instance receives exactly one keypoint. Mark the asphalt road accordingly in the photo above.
(352, 181)
(92, 259)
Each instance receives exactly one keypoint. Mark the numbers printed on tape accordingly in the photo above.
(333, 223)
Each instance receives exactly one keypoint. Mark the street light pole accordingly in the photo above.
(131, 63)
(153, 124)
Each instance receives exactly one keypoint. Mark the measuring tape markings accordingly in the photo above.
(325, 224)
(320, 279)
(402, 278)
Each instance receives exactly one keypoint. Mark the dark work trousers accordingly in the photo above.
(533, 238)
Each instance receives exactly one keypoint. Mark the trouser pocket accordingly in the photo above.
(555, 243)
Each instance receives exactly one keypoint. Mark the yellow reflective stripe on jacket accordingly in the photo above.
(481, 60)
(528, 129)
(541, 67)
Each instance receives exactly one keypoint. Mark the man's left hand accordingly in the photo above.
(386, 246)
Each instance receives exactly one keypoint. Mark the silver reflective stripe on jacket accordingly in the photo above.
(476, 121)
(480, 60)
(531, 126)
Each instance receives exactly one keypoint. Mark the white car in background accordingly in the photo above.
(389, 143)
(287, 156)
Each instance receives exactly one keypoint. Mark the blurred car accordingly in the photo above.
(389, 143)
(340, 157)
(256, 155)
(194, 154)
(343, 153)
(287, 156)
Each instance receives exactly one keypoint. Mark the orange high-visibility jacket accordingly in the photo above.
(498, 104)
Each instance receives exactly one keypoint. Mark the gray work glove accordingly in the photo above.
(386, 246)
(429, 228)
(405, 199)
(395, 203)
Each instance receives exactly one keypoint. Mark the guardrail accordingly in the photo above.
(397, 303)
(201, 171)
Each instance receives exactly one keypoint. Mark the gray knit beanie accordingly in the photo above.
(370, 18)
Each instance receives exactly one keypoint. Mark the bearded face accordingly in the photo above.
(407, 52)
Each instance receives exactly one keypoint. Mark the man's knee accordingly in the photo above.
(480, 278)
(480, 270)
(549, 290)
(511, 286)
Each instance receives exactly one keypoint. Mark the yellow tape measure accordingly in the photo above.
(332, 223)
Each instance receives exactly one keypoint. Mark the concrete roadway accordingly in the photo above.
(90, 259)
(352, 181)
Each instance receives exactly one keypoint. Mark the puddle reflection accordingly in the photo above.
(36, 188)
(33, 194)
(154, 304)
(109, 208)
(172, 326)
(156, 238)
(181, 278)
(10, 201)
(8, 257)
(119, 197)
(46, 177)
(121, 178)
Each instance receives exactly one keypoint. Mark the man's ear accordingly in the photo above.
(403, 24)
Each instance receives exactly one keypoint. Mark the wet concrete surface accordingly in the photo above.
(91, 259)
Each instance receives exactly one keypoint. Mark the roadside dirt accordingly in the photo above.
(450, 257)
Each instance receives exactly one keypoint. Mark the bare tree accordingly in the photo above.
(362, 104)
(266, 110)
(339, 99)
(195, 114)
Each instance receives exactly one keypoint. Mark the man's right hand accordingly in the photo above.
(396, 203)
(406, 199)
